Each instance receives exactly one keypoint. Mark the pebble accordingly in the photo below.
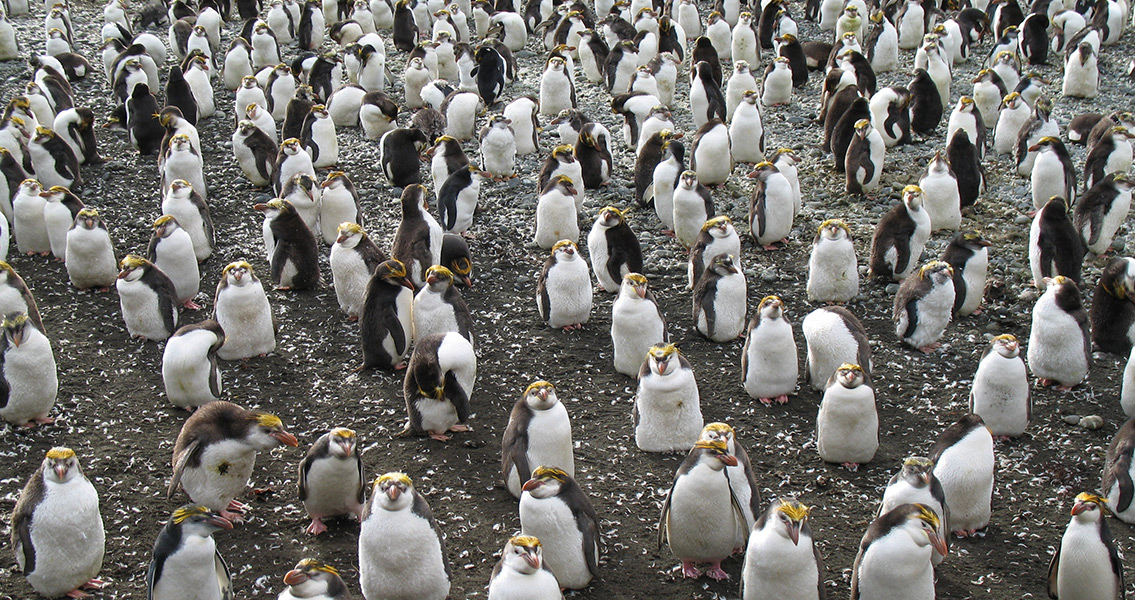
(1092, 422)
(1021, 219)
(892, 288)
(1071, 419)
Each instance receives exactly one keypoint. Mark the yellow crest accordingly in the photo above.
(343, 432)
(918, 461)
(525, 541)
(635, 278)
(550, 473)
(131, 261)
(719, 428)
(850, 367)
(716, 445)
(184, 512)
(927, 515)
(538, 385)
(394, 477)
(60, 453)
(794, 510)
(267, 420)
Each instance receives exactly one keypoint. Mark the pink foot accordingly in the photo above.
(400, 366)
(961, 533)
(715, 572)
(689, 570)
(441, 437)
(94, 584)
(766, 401)
(669, 233)
(353, 319)
(233, 517)
(103, 290)
(461, 427)
(77, 593)
(782, 399)
(59, 260)
(930, 348)
(317, 527)
(1065, 388)
(850, 466)
(45, 253)
(976, 311)
(191, 305)
(283, 288)
(239, 507)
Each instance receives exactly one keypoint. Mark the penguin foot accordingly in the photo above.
(317, 527)
(236, 507)
(930, 348)
(353, 319)
(59, 260)
(77, 593)
(93, 584)
(400, 366)
(45, 253)
(689, 570)
(782, 399)
(669, 233)
(716, 573)
(976, 311)
(39, 421)
(461, 427)
(441, 437)
(191, 305)
(775, 245)
(850, 466)
(233, 517)
(766, 401)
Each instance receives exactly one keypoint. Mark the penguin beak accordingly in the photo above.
(294, 577)
(925, 477)
(939, 543)
(342, 238)
(122, 274)
(640, 290)
(532, 560)
(260, 207)
(220, 522)
(347, 445)
(17, 338)
(407, 283)
(61, 472)
(531, 485)
(468, 281)
(793, 532)
(393, 492)
(727, 459)
(286, 438)
(1077, 508)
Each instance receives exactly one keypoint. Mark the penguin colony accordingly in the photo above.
(297, 78)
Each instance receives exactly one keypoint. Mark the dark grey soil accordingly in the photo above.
(113, 412)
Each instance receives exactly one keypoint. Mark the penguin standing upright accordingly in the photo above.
(1110, 153)
(53, 160)
(1052, 174)
(968, 254)
(1101, 210)
(847, 426)
(523, 114)
(717, 237)
(924, 306)
(28, 219)
(833, 336)
(613, 248)
(1000, 392)
(188, 207)
(1079, 566)
(1055, 247)
(398, 516)
(439, 308)
(890, 111)
(667, 411)
(701, 516)
(1060, 347)
(295, 256)
(15, 297)
(78, 127)
(338, 203)
(318, 136)
(522, 573)
(563, 290)
(398, 155)
(769, 365)
(894, 559)
(863, 162)
(1117, 482)
(796, 570)
(900, 237)
(59, 211)
(241, 307)
(57, 531)
(148, 299)
(1081, 72)
(185, 556)
(915, 483)
(706, 100)
(647, 159)
(833, 272)
(771, 206)
(385, 320)
(29, 372)
(417, 243)
(189, 364)
(171, 251)
(490, 73)
(1112, 313)
(555, 509)
(964, 464)
(720, 300)
(593, 151)
(926, 105)
(255, 153)
(562, 161)
(331, 479)
(710, 155)
(538, 433)
(637, 324)
(354, 258)
(90, 253)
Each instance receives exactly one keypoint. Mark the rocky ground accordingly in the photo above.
(113, 412)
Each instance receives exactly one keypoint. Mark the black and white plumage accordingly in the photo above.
(1060, 347)
(538, 434)
(1117, 481)
(385, 320)
(833, 272)
(555, 509)
(968, 254)
(1055, 247)
(613, 248)
(924, 306)
(1000, 392)
(185, 557)
(148, 299)
(1113, 313)
(563, 290)
(1086, 562)
(1101, 210)
(894, 559)
(189, 364)
(439, 308)
(439, 384)
(331, 480)
(293, 255)
(834, 336)
(915, 483)
(964, 464)
(769, 366)
(721, 300)
(637, 324)
(742, 479)
(522, 572)
(242, 309)
(782, 555)
(311, 579)
(900, 237)
(847, 425)
(354, 258)
(667, 407)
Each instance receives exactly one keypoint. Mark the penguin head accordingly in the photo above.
(1007, 58)
(416, 63)
(863, 128)
(564, 154)
(1089, 508)
(715, 454)
(966, 104)
(165, 225)
(249, 82)
(523, 554)
(30, 187)
(1085, 51)
(341, 442)
(246, 128)
(546, 482)
(924, 527)
(720, 227)
(634, 285)
(282, 70)
(393, 272)
(438, 278)
(741, 67)
(646, 13)
(718, 432)
(609, 217)
(311, 579)
(194, 519)
(724, 265)
(771, 307)
(199, 62)
(60, 465)
(1122, 181)
(917, 471)
(565, 250)
(274, 208)
(762, 170)
(713, 18)
(850, 376)
(664, 359)
(540, 395)
(555, 63)
(833, 229)
(878, 16)
(43, 135)
(301, 188)
(88, 218)
(170, 116)
(180, 143)
(268, 432)
(393, 491)
(938, 272)
(1046, 143)
(499, 122)
(31, 88)
(55, 33)
(849, 40)
(912, 197)
(973, 240)
(1006, 345)
(564, 184)
(791, 516)
(132, 267)
(238, 273)
(938, 165)
(1012, 101)
(291, 146)
(1122, 132)
(180, 188)
(644, 72)
(688, 180)
(350, 234)
(261, 28)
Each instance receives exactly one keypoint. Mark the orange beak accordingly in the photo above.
(295, 577)
(286, 438)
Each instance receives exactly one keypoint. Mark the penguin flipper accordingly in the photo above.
(397, 334)
(214, 372)
(513, 454)
(179, 465)
(911, 319)
(21, 532)
(663, 519)
(224, 580)
(459, 399)
(1053, 571)
(1119, 473)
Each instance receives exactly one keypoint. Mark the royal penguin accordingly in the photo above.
(742, 481)
(864, 160)
(60, 208)
(354, 258)
(398, 156)
(782, 554)
(1000, 392)
(1112, 314)
(667, 411)
(90, 253)
(637, 324)
(457, 199)
(331, 481)
(964, 464)
(171, 251)
(739, 82)
(183, 203)
(338, 203)
(563, 290)
(1086, 561)
(1110, 153)
(900, 237)
(833, 336)
(1117, 482)
(522, 113)
(706, 99)
(184, 162)
(242, 309)
(924, 306)
(968, 254)
(439, 308)
(620, 66)
(769, 365)
(77, 126)
(910, 20)
(988, 94)
(720, 300)
(771, 206)
(216, 450)
(1012, 118)
(833, 273)
(648, 156)
(385, 320)
(522, 573)
(1055, 247)
(255, 153)
(417, 242)
(915, 483)
(538, 434)
(59, 503)
(28, 219)
(498, 148)
(555, 509)
(718, 237)
(613, 249)
(446, 158)
(294, 257)
(890, 111)
(847, 425)
(926, 106)
(490, 74)
(1059, 343)
(556, 216)
(398, 515)
(1101, 210)
(311, 578)
(53, 161)
(186, 557)
(1052, 173)
(941, 196)
(593, 151)
(894, 559)
(777, 83)
(318, 136)
(965, 117)
(747, 131)
(148, 299)
(189, 365)
(701, 516)
(1081, 73)
(15, 297)
(29, 372)
(378, 114)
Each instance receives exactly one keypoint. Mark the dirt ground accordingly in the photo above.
(112, 410)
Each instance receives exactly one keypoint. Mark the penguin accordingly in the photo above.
(1055, 247)
(255, 153)
(179, 94)
(720, 300)
(174, 122)
(538, 433)
(593, 151)
(964, 464)
(294, 256)
(439, 308)
(90, 253)
(797, 570)
(446, 158)
(900, 237)
(456, 257)
(183, 203)
(399, 155)
(385, 320)
(1000, 392)
(237, 63)
(186, 557)
(557, 91)
(1112, 315)
(1014, 115)
(171, 251)
(16, 297)
(522, 573)
(438, 385)
(417, 242)
(563, 290)
(339, 203)
(311, 578)
(1116, 482)
(241, 307)
(833, 273)
(968, 254)
(915, 483)
(28, 221)
(461, 110)
(706, 100)
(298, 107)
(318, 137)
(740, 81)
(1101, 210)
(712, 146)
(941, 195)
(890, 112)
(693, 206)
(1078, 565)
(894, 558)
(717, 237)
(148, 299)
(522, 113)
(53, 160)
(924, 306)
(965, 117)
(189, 365)
(1053, 173)
(498, 148)
(648, 156)
(771, 206)
(58, 504)
(768, 361)
(926, 105)
(701, 516)
(490, 74)
(59, 211)
(398, 514)
(29, 375)
(553, 508)
(354, 257)
(988, 94)
(637, 324)
(378, 114)
(839, 123)
(1059, 345)
(620, 67)
(1110, 153)
(76, 125)
(847, 426)
(331, 479)
(1081, 73)
(613, 248)
(665, 177)
(833, 336)
(216, 451)
(864, 159)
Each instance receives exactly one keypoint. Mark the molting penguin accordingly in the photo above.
(1055, 247)
(924, 306)
(241, 307)
(555, 509)
(417, 242)
(847, 425)
(1117, 476)
(833, 272)
(720, 300)
(769, 365)
(667, 410)
(1071, 571)
(776, 85)
(538, 433)
(90, 253)
(968, 254)
(900, 237)
(1101, 210)
(148, 299)
(1113, 313)
(701, 516)
(399, 155)
(29, 372)
(398, 516)
(563, 290)
(385, 321)
(613, 248)
(894, 559)
(1000, 392)
(331, 479)
(833, 336)
(186, 557)
(1081, 73)
(964, 464)
(189, 364)
(498, 148)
